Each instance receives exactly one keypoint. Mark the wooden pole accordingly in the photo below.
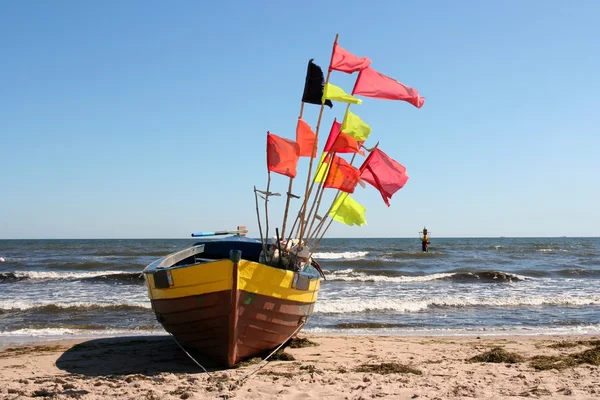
(333, 202)
(259, 225)
(306, 193)
(289, 192)
(319, 226)
(353, 156)
(321, 190)
(316, 243)
(267, 211)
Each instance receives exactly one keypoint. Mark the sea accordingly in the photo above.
(51, 289)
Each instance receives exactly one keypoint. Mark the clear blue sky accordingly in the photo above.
(148, 119)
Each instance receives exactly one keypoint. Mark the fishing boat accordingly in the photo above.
(215, 297)
(235, 297)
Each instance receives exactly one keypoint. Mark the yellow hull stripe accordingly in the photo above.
(217, 276)
(193, 280)
(274, 282)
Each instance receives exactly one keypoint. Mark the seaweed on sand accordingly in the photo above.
(387, 368)
(589, 356)
(297, 343)
(497, 355)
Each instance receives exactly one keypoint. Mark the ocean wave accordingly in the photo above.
(99, 276)
(57, 307)
(351, 275)
(344, 306)
(340, 256)
(401, 255)
(94, 265)
(581, 329)
(60, 331)
(578, 272)
(132, 253)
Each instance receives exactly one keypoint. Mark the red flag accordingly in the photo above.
(336, 127)
(345, 143)
(343, 60)
(305, 137)
(371, 83)
(385, 174)
(342, 175)
(282, 155)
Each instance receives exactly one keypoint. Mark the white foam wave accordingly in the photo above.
(45, 332)
(27, 305)
(65, 275)
(347, 255)
(348, 275)
(342, 306)
(505, 331)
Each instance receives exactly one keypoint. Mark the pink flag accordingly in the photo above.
(371, 83)
(344, 61)
(385, 174)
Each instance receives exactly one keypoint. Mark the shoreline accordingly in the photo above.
(338, 367)
(24, 339)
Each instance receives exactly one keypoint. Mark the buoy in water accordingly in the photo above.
(2, 259)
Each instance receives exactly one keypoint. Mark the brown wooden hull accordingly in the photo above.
(229, 309)
(228, 333)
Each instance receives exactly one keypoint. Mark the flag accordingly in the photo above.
(355, 127)
(345, 143)
(348, 211)
(385, 174)
(336, 93)
(371, 83)
(306, 139)
(323, 168)
(282, 155)
(344, 61)
(313, 85)
(342, 175)
(336, 127)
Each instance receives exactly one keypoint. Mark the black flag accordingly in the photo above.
(314, 85)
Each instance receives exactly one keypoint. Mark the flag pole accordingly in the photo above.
(259, 225)
(319, 193)
(306, 190)
(322, 183)
(289, 192)
(299, 212)
(267, 213)
(322, 222)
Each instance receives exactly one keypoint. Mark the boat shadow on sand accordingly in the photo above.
(147, 355)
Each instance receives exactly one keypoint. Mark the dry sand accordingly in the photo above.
(435, 368)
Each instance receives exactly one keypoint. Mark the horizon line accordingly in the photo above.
(368, 237)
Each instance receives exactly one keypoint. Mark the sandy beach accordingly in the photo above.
(336, 367)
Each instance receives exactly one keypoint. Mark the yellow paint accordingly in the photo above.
(193, 280)
(274, 282)
(217, 276)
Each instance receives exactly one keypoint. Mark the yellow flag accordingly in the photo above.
(336, 93)
(355, 127)
(348, 211)
(322, 169)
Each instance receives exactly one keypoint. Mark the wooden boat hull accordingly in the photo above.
(230, 309)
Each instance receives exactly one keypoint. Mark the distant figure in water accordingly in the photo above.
(424, 240)
(2, 259)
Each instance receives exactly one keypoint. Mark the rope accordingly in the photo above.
(264, 361)
(188, 354)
